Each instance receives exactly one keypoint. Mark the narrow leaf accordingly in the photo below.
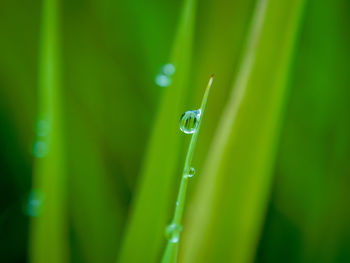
(225, 221)
(48, 241)
(149, 215)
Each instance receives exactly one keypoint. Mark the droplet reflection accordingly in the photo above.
(162, 80)
(169, 69)
(42, 128)
(40, 148)
(191, 172)
(172, 232)
(35, 203)
(189, 121)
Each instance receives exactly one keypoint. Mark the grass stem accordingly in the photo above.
(174, 228)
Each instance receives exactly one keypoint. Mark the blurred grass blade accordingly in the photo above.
(97, 145)
(48, 241)
(95, 209)
(315, 136)
(149, 215)
(218, 50)
(225, 221)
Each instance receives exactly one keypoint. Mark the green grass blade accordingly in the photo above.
(149, 212)
(96, 212)
(217, 49)
(315, 137)
(96, 187)
(48, 241)
(171, 249)
(225, 221)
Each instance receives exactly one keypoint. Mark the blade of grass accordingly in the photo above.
(170, 253)
(148, 217)
(228, 21)
(94, 136)
(315, 136)
(96, 212)
(48, 240)
(225, 221)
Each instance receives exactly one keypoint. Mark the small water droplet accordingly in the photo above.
(168, 69)
(162, 80)
(172, 232)
(189, 121)
(42, 127)
(191, 172)
(40, 148)
(35, 203)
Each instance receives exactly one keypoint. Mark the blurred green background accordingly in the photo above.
(100, 184)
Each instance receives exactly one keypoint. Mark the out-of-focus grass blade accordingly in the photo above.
(95, 209)
(217, 50)
(313, 159)
(145, 232)
(14, 90)
(48, 241)
(225, 221)
(94, 104)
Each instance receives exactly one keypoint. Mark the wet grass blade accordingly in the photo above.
(228, 210)
(175, 227)
(48, 240)
(149, 212)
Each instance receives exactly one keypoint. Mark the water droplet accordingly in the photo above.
(191, 172)
(168, 69)
(35, 203)
(172, 232)
(189, 121)
(40, 148)
(162, 80)
(42, 127)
